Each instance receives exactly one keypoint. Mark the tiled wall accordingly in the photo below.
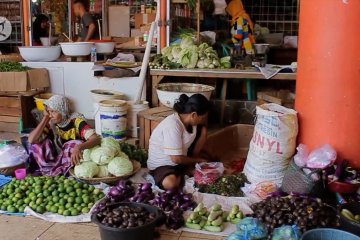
(280, 16)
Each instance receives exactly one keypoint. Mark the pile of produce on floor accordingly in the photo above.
(306, 213)
(188, 55)
(173, 203)
(104, 161)
(125, 216)
(228, 185)
(49, 194)
(349, 215)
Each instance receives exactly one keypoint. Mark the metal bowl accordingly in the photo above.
(261, 48)
(169, 93)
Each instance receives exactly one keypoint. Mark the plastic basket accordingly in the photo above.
(328, 234)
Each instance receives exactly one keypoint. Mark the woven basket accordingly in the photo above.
(296, 181)
(108, 180)
(10, 171)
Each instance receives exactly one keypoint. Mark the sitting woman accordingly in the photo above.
(58, 140)
(169, 143)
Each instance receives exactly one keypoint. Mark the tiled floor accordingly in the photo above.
(30, 228)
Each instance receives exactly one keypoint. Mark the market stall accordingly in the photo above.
(92, 150)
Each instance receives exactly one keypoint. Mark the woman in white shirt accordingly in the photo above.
(169, 143)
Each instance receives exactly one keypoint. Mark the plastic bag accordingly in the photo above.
(286, 233)
(301, 156)
(249, 229)
(12, 154)
(321, 157)
(207, 173)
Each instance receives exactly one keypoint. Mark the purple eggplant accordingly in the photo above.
(146, 187)
(114, 192)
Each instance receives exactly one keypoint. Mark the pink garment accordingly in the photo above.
(49, 162)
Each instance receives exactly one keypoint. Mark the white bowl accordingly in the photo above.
(76, 49)
(169, 93)
(104, 47)
(45, 41)
(40, 53)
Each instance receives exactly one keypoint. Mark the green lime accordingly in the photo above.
(72, 194)
(20, 202)
(78, 200)
(90, 205)
(50, 203)
(61, 188)
(61, 195)
(78, 185)
(85, 210)
(11, 209)
(39, 201)
(32, 194)
(54, 209)
(86, 199)
(3, 207)
(83, 205)
(9, 191)
(66, 196)
(26, 200)
(40, 209)
(48, 207)
(91, 188)
(69, 189)
(17, 190)
(96, 191)
(76, 205)
(46, 193)
(55, 199)
(33, 198)
(40, 195)
(21, 209)
(62, 201)
(66, 213)
(18, 195)
(60, 211)
(74, 212)
(71, 200)
(101, 195)
(78, 191)
(55, 193)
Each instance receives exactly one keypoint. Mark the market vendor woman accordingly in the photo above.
(170, 142)
(58, 140)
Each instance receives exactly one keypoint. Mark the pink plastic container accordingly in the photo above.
(20, 173)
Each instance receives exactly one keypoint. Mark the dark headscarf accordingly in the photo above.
(38, 31)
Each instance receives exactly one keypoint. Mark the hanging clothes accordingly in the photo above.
(241, 25)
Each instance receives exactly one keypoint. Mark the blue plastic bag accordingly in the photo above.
(249, 229)
(286, 233)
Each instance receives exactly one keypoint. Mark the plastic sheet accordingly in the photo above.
(12, 154)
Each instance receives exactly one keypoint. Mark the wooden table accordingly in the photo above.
(157, 75)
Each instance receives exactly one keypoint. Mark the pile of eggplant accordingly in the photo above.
(173, 203)
(125, 217)
(306, 213)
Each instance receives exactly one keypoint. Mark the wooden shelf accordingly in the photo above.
(178, 1)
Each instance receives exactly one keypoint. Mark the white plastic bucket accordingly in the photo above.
(132, 117)
(100, 95)
(113, 118)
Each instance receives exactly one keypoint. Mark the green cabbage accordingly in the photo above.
(103, 172)
(86, 155)
(86, 170)
(102, 155)
(176, 52)
(186, 42)
(120, 166)
(112, 143)
(123, 155)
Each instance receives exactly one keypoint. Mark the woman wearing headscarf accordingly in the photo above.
(241, 25)
(61, 136)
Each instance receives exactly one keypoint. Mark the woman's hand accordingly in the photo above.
(76, 155)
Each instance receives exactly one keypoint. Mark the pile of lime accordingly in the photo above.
(59, 195)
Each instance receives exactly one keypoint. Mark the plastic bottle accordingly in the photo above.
(146, 36)
(93, 54)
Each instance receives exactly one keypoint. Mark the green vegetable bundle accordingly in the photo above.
(229, 186)
(12, 67)
(188, 55)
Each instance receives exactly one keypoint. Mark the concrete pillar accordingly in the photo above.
(328, 80)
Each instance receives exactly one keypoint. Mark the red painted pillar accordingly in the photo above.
(328, 81)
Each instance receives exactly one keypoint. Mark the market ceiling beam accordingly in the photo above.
(328, 79)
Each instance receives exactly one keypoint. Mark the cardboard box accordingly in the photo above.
(143, 19)
(24, 81)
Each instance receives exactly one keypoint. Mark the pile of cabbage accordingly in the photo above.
(188, 55)
(104, 161)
